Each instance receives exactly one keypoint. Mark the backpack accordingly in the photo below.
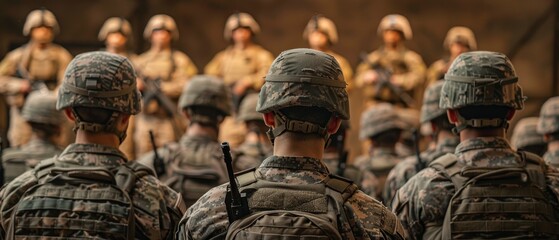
(80, 202)
(491, 203)
(287, 211)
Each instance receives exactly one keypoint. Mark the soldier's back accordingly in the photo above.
(17, 160)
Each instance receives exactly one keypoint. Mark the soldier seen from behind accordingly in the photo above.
(91, 190)
(485, 189)
(548, 125)
(194, 165)
(292, 193)
(40, 113)
(445, 142)
(526, 137)
(39, 64)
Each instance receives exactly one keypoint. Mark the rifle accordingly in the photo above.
(158, 164)
(235, 202)
(383, 82)
(342, 155)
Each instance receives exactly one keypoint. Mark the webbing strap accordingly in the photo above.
(73, 206)
(306, 79)
(508, 207)
(500, 192)
(505, 226)
(99, 94)
(69, 224)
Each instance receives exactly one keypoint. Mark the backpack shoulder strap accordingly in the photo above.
(43, 168)
(448, 165)
(342, 185)
(246, 177)
(535, 167)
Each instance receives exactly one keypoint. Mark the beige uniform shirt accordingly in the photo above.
(346, 69)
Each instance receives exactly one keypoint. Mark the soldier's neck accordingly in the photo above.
(39, 45)
(392, 46)
(294, 147)
(106, 139)
(116, 50)
(202, 131)
(470, 133)
(242, 45)
(160, 47)
(553, 146)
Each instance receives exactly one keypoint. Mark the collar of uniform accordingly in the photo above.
(487, 152)
(189, 138)
(97, 149)
(295, 163)
(39, 142)
(446, 144)
(482, 143)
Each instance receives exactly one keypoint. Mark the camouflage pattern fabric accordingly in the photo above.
(549, 117)
(552, 158)
(17, 160)
(157, 207)
(406, 169)
(422, 202)
(206, 91)
(375, 168)
(378, 119)
(525, 134)
(250, 155)
(368, 218)
(331, 160)
(196, 155)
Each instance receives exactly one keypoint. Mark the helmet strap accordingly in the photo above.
(109, 126)
(283, 124)
(479, 123)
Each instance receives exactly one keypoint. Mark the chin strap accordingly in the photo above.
(283, 124)
(110, 126)
(479, 123)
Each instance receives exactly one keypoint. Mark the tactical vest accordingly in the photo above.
(77, 203)
(305, 211)
(499, 202)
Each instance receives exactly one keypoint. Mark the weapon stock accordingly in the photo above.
(235, 202)
(158, 164)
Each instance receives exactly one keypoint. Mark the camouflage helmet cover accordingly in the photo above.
(461, 35)
(481, 78)
(304, 77)
(525, 133)
(378, 119)
(430, 108)
(238, 20)
(161, 21)
(40, 107)
(100, 80)
(40, 17)
(324, 25)
(208, 91)
(247, 110)
(549, 117)
(395, 22)
(115, 24)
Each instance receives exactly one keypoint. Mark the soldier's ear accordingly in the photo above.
(269, 119)
(334, 125)
(510, 114)
(68, 113)
(452, 116)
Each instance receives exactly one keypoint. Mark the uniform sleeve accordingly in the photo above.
(10, 195)
(416, 74)
(347, 71)
(207, 218)
(214, 67)
(64, 58)
(184, 70)
(435, 72)
(8, 68)
(263, 61)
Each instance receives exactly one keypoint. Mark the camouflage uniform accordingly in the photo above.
(548, 125)
(362, 211)
(42, 65)
(239, 66)
(526, 137)
(406, 66)
(156, 207)
(173, 68)
(39, 108)
(422, 202)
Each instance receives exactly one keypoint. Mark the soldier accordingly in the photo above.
(382, 127)
(256, 146)
(91, 189)
(526, 137)
(321, 35)
(548, 125)
(301, 120)
(392, 72)
(38, 64)
(485, 190)
(166, 70)
(445, 142)
(406, 146)
(242, 66)
(40, 113)
(193, 165)
(458, 40)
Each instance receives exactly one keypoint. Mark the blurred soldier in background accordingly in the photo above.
(40, 113)
(242, 66)
(256, 146)
(445, 142)
(526, 137)
(163, 72)
(549, 127)
(408, 140)
(458, 40)
(321, 35)
(116, 33)
(39, 64)
(194, 164)
(393, 72)
(381, 125)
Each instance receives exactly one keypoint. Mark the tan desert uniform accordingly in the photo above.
(45, 65)
(173, 68)
(233, 65)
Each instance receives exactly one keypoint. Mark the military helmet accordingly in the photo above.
(378, 119)
(206, 91)
(324, 25)
(115, 24)
(247, 110)
(38, 18)
(159, 22)
(40, 107)
(238, 20)
(549, 117)
(430, 108)
(395, 22)
(525, 133)
(461, 35)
